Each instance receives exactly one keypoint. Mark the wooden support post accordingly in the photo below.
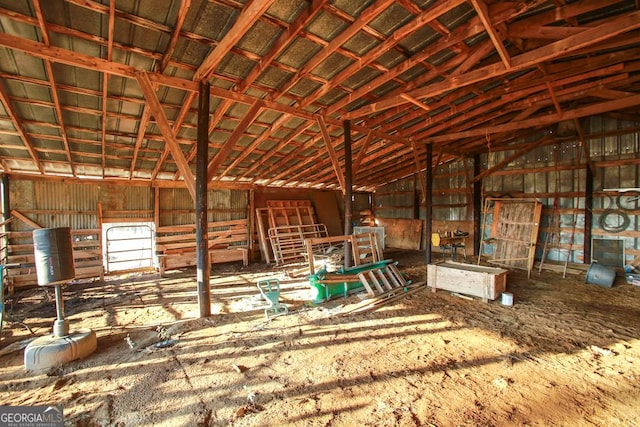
(588, 215)
(348, 187)
(202, 154)
(477, 205)
(6, 201)
(428, 216)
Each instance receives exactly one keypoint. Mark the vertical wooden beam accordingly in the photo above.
(588, 215)
(362, 153)
(347, 190)
(170, 139)
(156, 208)
(477, 206)
(332, 152)
(6, 201)
(419, 171)
(202, 246)
(428, 215)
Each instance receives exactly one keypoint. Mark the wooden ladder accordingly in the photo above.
(382, 279)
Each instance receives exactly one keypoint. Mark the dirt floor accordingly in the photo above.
(566, 353)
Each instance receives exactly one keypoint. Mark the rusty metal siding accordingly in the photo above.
(396, 199)
(178, 208)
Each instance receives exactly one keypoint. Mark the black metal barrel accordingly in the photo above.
(54, 255)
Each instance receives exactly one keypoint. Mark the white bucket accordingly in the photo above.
(507, 298)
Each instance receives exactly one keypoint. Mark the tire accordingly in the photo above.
(629, 201)
(606, 225)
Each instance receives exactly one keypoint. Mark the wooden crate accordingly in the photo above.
(479, 281)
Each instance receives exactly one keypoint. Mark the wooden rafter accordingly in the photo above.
(85, 61)
(52, 85)
(483, 12)
(177, 29)
(332, 154)
(361, 154)
(415, 102)
(285, 38)
(252, 10)
(161, 66)
(551, 51)
(256, 143)
(167, 131)
(427, 16)
(105, 94)
(6, 100)
(630, 101)
(363, 19)
(509, 159)
(226, 148)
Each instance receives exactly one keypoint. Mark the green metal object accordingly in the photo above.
(270, 291)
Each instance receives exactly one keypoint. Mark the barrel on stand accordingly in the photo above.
(53, 252)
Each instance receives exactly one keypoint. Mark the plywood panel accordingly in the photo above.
(327, 211)
(402, 233)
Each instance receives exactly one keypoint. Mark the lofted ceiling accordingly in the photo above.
(109, 89)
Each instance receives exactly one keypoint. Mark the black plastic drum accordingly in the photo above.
(54, 255)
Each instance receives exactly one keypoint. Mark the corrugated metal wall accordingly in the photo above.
(177, 206)
(553, 173)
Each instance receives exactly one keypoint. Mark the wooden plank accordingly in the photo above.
(366, 284)
(25, 219)
(593, 35)
(483, 13)
(250, 13)
(402, 233)
(332, 153)
(168, 134)
(235, 136)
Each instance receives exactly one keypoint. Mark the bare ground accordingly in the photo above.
(566, 353)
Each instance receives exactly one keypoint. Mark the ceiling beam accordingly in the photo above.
(361, 154)
(6, 100)
(332, 154)
(483, 13)
(427, 16)
(527, 148)
(76, 59)
(523, 61)
(285, 38)
(42, 24)
(175, 33)
(363, 19)
(593, 109)
(233, 139)
(247, 17)
(161, 120)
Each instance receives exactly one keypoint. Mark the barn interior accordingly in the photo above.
(321, 212)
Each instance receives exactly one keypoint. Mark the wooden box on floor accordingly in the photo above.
(479, 281)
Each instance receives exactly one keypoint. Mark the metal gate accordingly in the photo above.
(128, 247)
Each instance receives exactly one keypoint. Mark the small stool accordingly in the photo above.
(270, 291)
